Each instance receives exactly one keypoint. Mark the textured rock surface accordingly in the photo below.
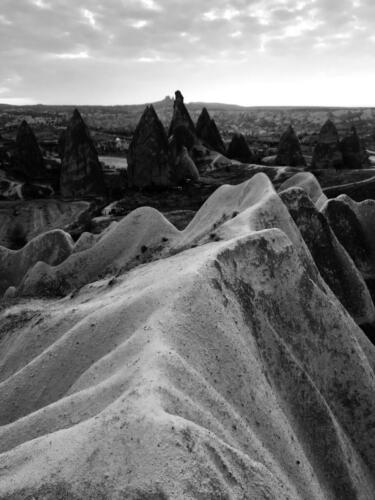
(353, 224)
(353, 151)
(227, 371)
(308, 183)
(52, 248)
(181, 116)
(88, 240)
(289, 151)
(327, 153)
(239, 150)
(127, 244)
(81, 172)
(185, 167)
(148, 156)
(145, 234)
(208, 132)
(334, 264)
(27, 161)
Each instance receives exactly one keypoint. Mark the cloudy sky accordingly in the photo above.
(257, 52)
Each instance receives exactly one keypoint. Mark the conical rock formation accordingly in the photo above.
(208, 132)
(239, 150)
(148, 155)
(353, 151)
(81, 172)
(289, 151)
(181, 116)
(27, 161)
(327, 152)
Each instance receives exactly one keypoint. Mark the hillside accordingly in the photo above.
(213, 362)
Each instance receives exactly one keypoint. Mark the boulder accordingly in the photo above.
(208, 132)
(289, 151)
(327, 152)
(185, 168)
(148, 156)
(10, 293)
(353, 152)
(81, 171)
(239, 150)
(27, 160)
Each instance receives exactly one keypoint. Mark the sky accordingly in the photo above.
(255, 53)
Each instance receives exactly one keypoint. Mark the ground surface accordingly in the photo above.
(212, 362)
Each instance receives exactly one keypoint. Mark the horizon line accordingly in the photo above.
(253, 106)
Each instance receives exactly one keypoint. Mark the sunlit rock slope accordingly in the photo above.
(212, 363)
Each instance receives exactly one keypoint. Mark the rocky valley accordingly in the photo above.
(195, 320)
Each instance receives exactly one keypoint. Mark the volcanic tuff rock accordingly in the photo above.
(289, 151)
(181, 116)
(129, 243)
(308, 182)
(353, 224)
(353, 151)
(27, 161)
(148, 156)
(239, 150)
(208, 132)
(327, 152)
(335, 265)
(227, 371)
(185, 167)
(81, 172)
(230, 211)
(52, 248)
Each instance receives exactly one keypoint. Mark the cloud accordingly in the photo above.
(138, 24)
(151, 4)
(54, 45)
(77, 55)
(41, 4)
(4, 20)
(90, 18)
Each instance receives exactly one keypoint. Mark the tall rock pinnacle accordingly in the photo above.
(354, 154)
(327, 153)
(208, 132)
(148, 157)
(181, 117)
(27, 160)
(81, 172)
(239, 150)
(289, 152)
